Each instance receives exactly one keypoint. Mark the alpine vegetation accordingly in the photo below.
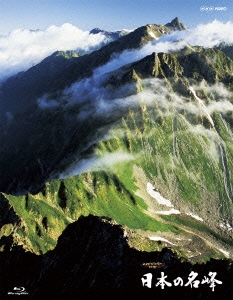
(119, 140)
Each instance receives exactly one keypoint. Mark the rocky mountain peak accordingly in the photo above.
(175, 24)
(96, 31)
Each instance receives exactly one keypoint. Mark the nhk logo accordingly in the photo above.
(212, 8)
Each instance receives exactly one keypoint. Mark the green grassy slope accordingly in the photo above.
(172, 142)
(165, 151)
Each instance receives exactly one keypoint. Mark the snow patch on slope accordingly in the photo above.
(168, 212)
(195, 217)
(226, 226)
(224, 252)
(158, 238)
(153, 35)
(156, 195)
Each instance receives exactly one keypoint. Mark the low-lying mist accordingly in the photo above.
(89, 100)
(57, 139)
(96, 163)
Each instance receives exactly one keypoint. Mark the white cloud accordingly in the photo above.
(214, 141)
(209, 35)
(21, 49)
(95, 163)
(221, 106)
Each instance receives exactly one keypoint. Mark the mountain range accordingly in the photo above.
(134, 142)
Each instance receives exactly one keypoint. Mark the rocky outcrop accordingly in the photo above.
(194, 64)
(92, 260)
(175, 24)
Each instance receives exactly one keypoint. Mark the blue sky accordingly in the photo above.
(107, 14)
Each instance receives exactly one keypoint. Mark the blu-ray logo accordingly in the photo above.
(19, 289)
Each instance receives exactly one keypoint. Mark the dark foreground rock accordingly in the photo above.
(92, 260)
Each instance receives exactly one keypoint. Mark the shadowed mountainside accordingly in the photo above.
(92, 260)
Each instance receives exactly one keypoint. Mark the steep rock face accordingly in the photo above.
(227, 49)
(193, 63)
(93, 260)
(175, 24)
